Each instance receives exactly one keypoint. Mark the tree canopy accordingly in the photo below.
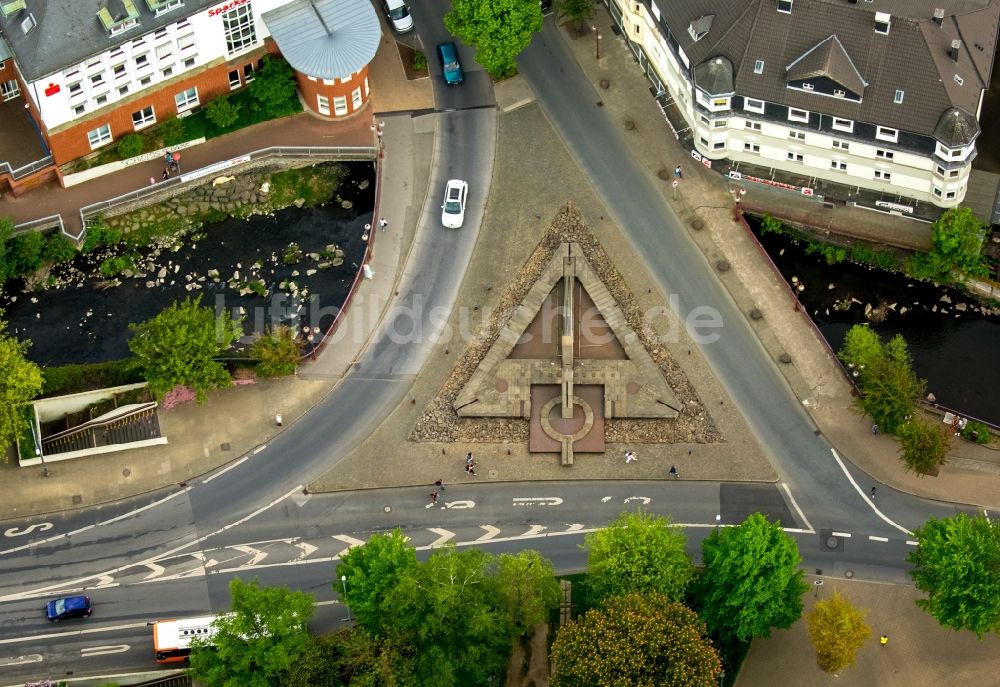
(372, 571)
(638, 552)
(957, 564)
(957, 243)
(924, 445)
(277, 351)
(752, 581)
(635, 639)
(499, 29)
(273, 88)
(178, 346)
(20, 383)
(529, 588)
(837, 630)
(259, 642)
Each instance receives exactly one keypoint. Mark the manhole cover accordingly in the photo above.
(77, 499)
(493, 474)
(502, 385)
(225, 446)
(849, 574)
(756, 314)
(632, 388)
(386, 509)
(126, 473)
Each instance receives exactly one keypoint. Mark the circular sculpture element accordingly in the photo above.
(588, 419)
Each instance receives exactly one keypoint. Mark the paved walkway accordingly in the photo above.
(200, 442)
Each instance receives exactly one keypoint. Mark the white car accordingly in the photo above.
(399, 15)
(453, 210)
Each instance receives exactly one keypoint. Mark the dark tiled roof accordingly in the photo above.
(715, 76)
(828, 59)
(912, 58)
(956, 128)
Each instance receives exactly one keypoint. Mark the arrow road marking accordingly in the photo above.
(534, 531)
(101, 650)
(605, 499)
(350, 541)
(157, 570)
(21, 660)
(105, 581)
(460, 504)
(537, 501)
(491, 532)
(257, 554)
(307, 550)
(443, 536)
(645, 499)
(576, 527)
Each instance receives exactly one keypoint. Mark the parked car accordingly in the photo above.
(450, 68)
(453, 210)
(399, 15)
(68, 607)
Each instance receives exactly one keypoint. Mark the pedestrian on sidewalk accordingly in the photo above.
(873, 493)
(382, 223)
(677, 172)
(471, 469)
(168, 157)
(277, 419)
(875, 430)
(468, 459)
(630, 457)
(883, 640)
(673, 472)
(152, 181)
(434, 497)
(439, 485)
(166, 173)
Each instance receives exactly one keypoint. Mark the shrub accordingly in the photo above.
(923, 445)
(72, 379)
(99, 235)
(130, 146)
(112, 267)
(24, 252)
(418, 61)
(273, 89)
(976, 431)
(769, 224)
(172, 132)
(223, 112)
(278, 352)
(58, 249)
(292, 254)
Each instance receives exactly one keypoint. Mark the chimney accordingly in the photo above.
(956, 45)
(939, 16)
(882, 21)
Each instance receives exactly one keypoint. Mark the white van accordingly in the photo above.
(399, 15)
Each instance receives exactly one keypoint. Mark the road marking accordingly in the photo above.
(443, 536)
(123, 516)
(18, 532)
(73, 633)
(537, 501)
(575, 527)
(535, 531)
(605, 499)
(307, 550)
(256, 554)
(865, 496)
(235, 465)
(645, 500)
(802, 516)
(459, 505)
(872, 537)
(157, 570)
(101, 650)
(986, 514)
(491, 532)
(910, 542)
(22, 660)
(845, 535)
(350, 541)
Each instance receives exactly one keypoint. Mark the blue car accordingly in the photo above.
(68, 607)
(450, 67)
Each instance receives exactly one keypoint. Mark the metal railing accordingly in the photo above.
(27, 169)
(40, 223)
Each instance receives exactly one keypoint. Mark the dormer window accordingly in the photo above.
(882, 22)
(838, 93)
(159, 7)
(795, 115)
(884, 133)
(785, 6)
(28, 23)
(120, 22)
(807, 87)
(9, 8)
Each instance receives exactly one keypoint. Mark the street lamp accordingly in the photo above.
(597, 41)
(737, 193)
(312, 348)
(343, 580)
(718, 523)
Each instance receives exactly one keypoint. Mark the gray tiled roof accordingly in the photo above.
(328, 39)
(828, 59)
(67, 32)
(956, 128)
(912, 58)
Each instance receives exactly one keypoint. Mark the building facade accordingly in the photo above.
(883, 95)
(89, 78)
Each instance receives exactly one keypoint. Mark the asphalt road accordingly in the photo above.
(172, 554)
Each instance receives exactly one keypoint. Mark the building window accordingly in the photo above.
(356, 98)
(160, 33)
(883, 175)
(239, 29)
(101, 99)
(843, 124)
(97, 79)
(75, 88)
(329, 82)
(123, 90)
(949, 195)
(720, 102)
(340, 105)
(142, 60)
(937, 191)
(795, 115)
(323, 104)
(837, 93)
(10, 89)
(143, 118)
(99, 136)
(703, 119)
(797, 135)
(953, 174)
(955, 153)
(720, 123)
(753, 105)
(718, 145)
(703, 141)
(838, 165)
(118, 70)
(145, 81)
(808, 87)
(164, 51)
(785, 6)
(186, 41)
(758, 67)
(189, 61)
(248, 72)
(234, 79)
(79, 109)
(753, 126)
(167, 72)
(366, 86)
(751, 147)
(899, 97)
(795, 157)
(168, 5)
(959, 80)
(842, 145)
(884, 154)
(185, 100)
(884, 133)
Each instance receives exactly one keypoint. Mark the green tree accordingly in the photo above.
(958, 243)
(752, 580)
(639, 553)
(129, 146)
(529, 589)
(6, 231)
(635, 640)
(957, 564)
(58, 249)
(451, 612)
(499, 29)
(178, 346)
(24, 252)
(369, 661)
(580, 12)
(372, 571)
(223, 112)
(924, 445)
(273, 88)
(277, 353)
(259, 642)
(837, 630)
(20, 382)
